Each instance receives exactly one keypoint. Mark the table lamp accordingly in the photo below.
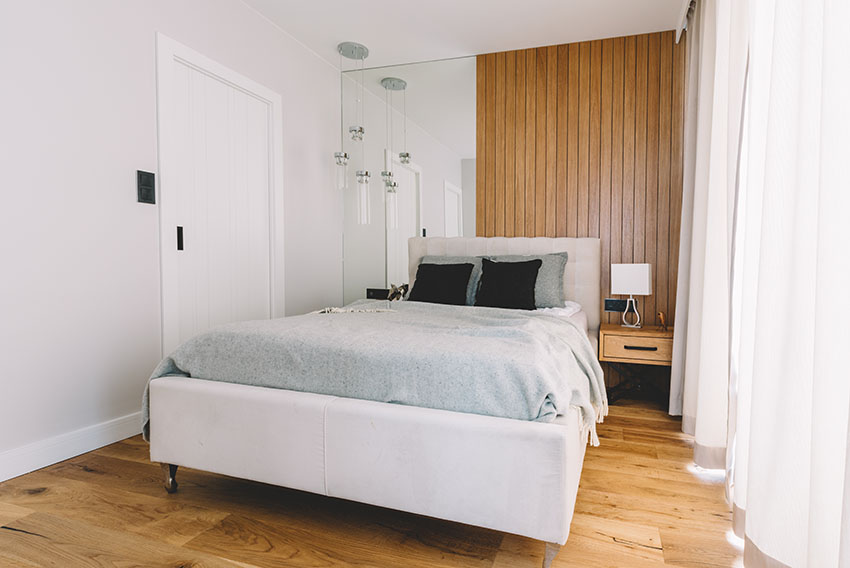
(631, 279)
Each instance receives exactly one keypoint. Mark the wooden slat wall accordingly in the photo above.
(585, 139)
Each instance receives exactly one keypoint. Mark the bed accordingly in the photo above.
(506, 474)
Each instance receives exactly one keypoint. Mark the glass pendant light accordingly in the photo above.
(364, 199)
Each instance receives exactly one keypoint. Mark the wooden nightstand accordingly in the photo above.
(644, 346)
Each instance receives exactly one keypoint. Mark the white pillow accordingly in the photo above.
(569, 309)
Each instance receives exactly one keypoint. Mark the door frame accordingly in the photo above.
(168, 52)
(449, 187)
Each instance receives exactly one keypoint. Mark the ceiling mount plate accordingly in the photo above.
(393, 84)
(353, 50)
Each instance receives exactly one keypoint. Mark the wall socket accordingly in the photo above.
(377, 293)
(614, 305)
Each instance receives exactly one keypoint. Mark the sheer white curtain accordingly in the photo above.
(715, 95)
(788, 466)
(770, 302)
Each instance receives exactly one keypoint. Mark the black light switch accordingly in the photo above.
(146, 187)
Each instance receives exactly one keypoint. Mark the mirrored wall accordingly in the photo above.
(430, 115)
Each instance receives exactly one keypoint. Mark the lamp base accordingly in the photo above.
(631, 307)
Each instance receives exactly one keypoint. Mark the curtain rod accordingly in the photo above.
(687, 8)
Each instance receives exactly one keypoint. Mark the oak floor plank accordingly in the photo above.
(10, 512)
(159, 518)
(134, 449)
(273, 546)
(616, 449)
(47, 540)
(693, 549)
(693, 514)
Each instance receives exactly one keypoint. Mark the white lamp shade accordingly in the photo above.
(632, 279)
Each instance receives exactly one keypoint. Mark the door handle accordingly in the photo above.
(179, 238)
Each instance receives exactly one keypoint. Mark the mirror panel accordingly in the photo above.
(439, 102)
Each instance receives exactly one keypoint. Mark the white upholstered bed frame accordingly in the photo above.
(509, 475)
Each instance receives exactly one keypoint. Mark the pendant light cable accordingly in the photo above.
(404, 109)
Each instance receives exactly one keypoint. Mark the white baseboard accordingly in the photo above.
(43, 453)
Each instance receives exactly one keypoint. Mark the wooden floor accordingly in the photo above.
(638, 505)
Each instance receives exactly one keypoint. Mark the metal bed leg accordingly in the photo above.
(170, 472)
(550, 554)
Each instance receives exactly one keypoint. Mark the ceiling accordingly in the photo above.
(406, 31)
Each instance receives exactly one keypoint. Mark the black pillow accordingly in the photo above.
(441, 284)
(508, 284)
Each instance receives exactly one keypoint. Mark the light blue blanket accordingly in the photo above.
(507, 363)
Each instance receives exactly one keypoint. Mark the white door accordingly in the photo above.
(453, 210)
(403, 220)
(217, 182)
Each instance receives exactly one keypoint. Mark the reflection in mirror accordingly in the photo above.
(434, 193)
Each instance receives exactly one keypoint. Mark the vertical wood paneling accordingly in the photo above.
(665, 95)
(627, 253)
(480, 137)
(572, 140)
(616, 233)
(510, 139)
(540, 167)
(490, 146)
(639, 242)
(561, 173)
(499, 223)
(519, 222)
(605, 167)
(530, 139)
(551, 135)
(651, 208)
(595, 135)
(585, 139)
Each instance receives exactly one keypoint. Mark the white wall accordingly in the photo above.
(468, 176)
(79, 260)
(365, 244)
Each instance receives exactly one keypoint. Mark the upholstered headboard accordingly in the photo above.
(582, 274)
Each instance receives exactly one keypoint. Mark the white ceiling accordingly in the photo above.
(406, 31)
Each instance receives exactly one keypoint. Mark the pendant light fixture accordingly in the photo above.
(404, 155)
(391, 84)
(358, 52)
(341, 157)
(395, 84)
(387, 174)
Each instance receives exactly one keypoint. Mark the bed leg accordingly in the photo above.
(550, 554)
(170, 472)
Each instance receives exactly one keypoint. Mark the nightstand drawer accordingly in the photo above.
(653, 350)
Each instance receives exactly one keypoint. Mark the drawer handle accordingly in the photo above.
(640, 348)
